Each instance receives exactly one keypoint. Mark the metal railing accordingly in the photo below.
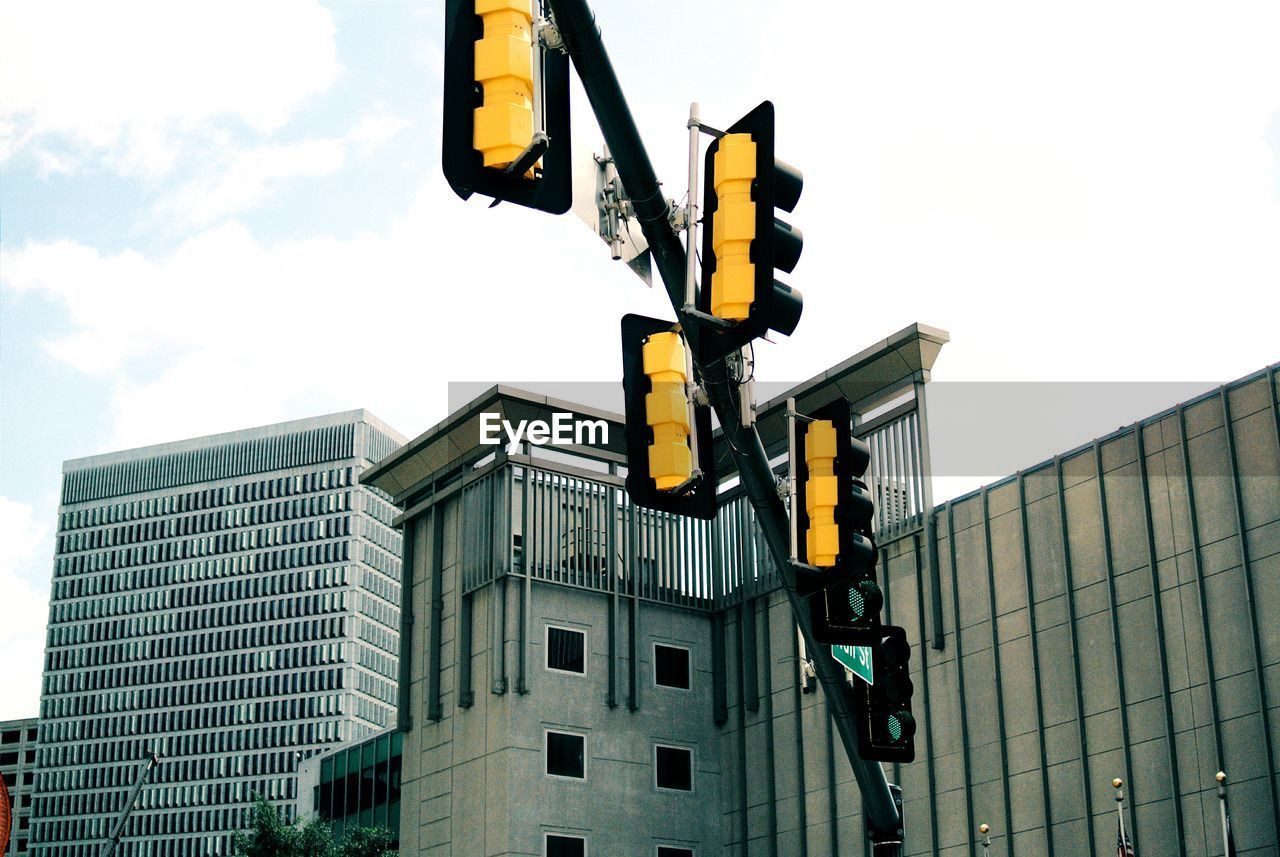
(746, 568)
(486, 529)
(898, 472)
(561, 525)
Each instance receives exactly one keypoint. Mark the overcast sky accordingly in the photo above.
(218, 215)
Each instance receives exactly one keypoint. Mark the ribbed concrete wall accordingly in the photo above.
(1073, 629)
(1099, 615)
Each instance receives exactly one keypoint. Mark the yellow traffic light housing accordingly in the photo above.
(666, 410)
(744, 185)
(503, 126)
(670, 465)
(733, 284)
(822, 537)
(500, 87)
(832, 514)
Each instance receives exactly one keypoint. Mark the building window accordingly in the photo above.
(673, 767)
(560, 845)
(566, 650)
(674, 851)
(671, 666)
(566, 755)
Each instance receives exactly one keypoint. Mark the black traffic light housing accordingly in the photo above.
(777, 185)
(844, 601)
(699, 500)
(882, 711)
(551, 189)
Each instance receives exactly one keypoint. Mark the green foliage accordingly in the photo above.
(270, 836)
(368, 842)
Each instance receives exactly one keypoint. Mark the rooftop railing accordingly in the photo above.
(574, 527)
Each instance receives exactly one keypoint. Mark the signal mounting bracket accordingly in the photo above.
(679, 218)
(548, 35)
(694, 480)
(793, 416)
(536, 149)
(694, 312)
(782, 485)
(601, 202)
(889, 842)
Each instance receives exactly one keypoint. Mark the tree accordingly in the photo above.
(271, 836)
(368, 842)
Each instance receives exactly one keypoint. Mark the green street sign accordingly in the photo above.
(856, 659)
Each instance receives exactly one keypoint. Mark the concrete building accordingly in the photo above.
(230, 602)
(1107, 613)
(18, 767)
(587, 677)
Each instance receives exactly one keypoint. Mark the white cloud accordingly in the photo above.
(244, 332)
(121, 79)
(377, 128)
(24, 543)
(244, 177)
(1081, 193)
(247, 177)
(91, 287)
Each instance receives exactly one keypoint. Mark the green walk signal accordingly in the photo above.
(882, 708)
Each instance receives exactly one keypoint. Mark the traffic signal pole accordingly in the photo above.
(582, 39)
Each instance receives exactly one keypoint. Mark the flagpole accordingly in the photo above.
(1221, 777)
(986, 843)
(1119, 787)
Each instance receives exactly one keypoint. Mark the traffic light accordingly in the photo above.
(664, 428)
(744, 241)
(834, 526)
(882, 710)
(496, 81)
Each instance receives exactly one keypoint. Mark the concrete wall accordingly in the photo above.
(474, 781)
(1099, 615)
(1074, 646)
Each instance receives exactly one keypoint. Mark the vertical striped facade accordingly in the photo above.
(1107, 613)
(230, 602)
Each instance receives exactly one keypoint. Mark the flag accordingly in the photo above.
(1231, 840)
(1124, 848)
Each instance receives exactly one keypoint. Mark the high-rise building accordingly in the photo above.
(230, 603)
(18, 767)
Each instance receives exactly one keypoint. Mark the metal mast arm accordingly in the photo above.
(583, 41)
(144, 771)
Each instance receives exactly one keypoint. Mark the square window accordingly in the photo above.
(559, 845)
(566, 755)
(673, 767)
(566, 650)
(671, 666)
(674, 851)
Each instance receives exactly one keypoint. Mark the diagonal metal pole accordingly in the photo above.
(582, 40)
